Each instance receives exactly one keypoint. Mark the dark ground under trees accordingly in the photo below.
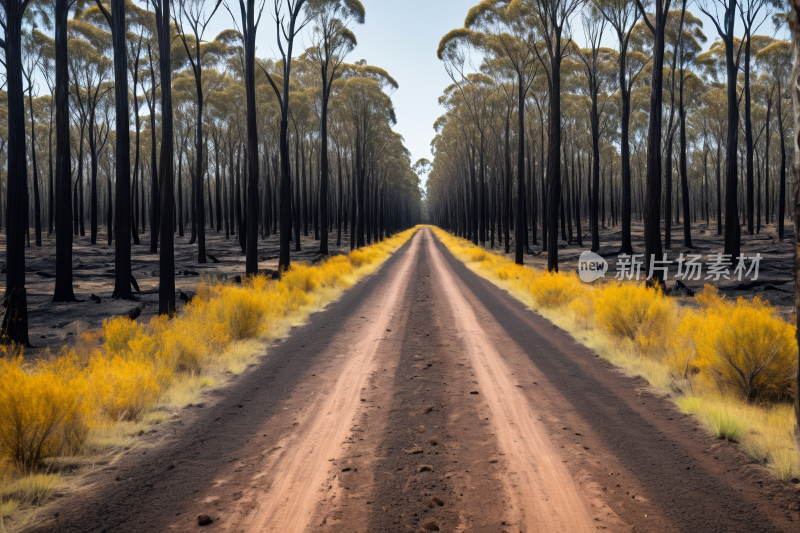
(52, 324)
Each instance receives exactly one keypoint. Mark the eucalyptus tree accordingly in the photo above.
(47, 70)
(749, 14)
(795, 84)
(596, 61)
(15, 321)
(63, 291)
(286, 34)
(673, 36)
(150, 82)
(622, 15)
(32, 57)
(777, 63)
(687, 51)
(166, 286)
(656, 23)
(196, 15)
(725, 24)
(553, 19)
(122, 221)
(332, 40)
(140, 23)
(91, 80)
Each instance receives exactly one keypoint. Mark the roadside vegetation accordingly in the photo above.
(729, 363)
(96, 397)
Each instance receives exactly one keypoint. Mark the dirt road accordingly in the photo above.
(426, 399)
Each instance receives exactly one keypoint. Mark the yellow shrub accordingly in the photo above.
(35, 410)
(553, 289)
(476, 254)
(638, 313)
(302, 277)
(582, 309)
(709, 297)
(744, 347)
(512, 271)
(124, 388)
(118, 331)
(361, 257)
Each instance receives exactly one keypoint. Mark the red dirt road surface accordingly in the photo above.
(427, 399)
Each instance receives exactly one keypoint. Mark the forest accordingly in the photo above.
(677, 124)
(95, 142)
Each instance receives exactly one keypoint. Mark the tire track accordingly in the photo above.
(301, 470)
(543, 492)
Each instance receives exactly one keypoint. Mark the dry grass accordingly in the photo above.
(105, 391)
(730, 363)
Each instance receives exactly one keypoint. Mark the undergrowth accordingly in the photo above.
(732, 364)
(106, 389)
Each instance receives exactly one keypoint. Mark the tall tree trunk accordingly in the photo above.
(166, 288)
(15, 321)
(782, 178)
(652, 206)
(251, 256)
(595, 121)
(63, 291)
(122, 219)
(748, 135)
(554, 162)
(50, 191)
(155, 189)
(37, 222)
(687, 226)
(795, 6)
(94, 163)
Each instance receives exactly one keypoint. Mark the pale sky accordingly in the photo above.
(402, 37)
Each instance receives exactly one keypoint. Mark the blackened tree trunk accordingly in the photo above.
(122, 219)
(50, 191)
(93, 158)
(166, 288)
(519, 232)
(323, 165)
(732, 227)
(63, 289)
(340, 203)
(15, 320)
(507, 187)
(110, 210)
(217, 186)
(249, 24)
(283, 99)
(782, 178)
(748, 135)
(180, 191)
(155, 189)
(687, 226)
(719, 187)
(37, 212)
(652, 206)
(554, 163)
(595, 121)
